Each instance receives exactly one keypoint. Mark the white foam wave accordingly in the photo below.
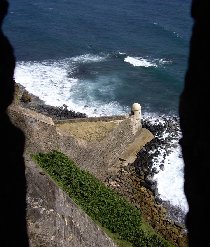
(139, 61)
(88, 58)
(53, 82)
(121, 53)
(97, 108)
(48, 81)
(145, 62)
(164, 61)
(170, 180)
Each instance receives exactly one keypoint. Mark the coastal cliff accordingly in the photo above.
(44, 134)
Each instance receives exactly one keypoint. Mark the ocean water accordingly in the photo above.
(101, 56)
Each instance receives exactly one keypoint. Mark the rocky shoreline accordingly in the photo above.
(135, 181)
(167, 134)
(33, 102)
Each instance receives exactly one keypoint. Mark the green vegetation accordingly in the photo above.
(102, 204)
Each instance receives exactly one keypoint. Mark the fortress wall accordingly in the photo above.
(97, 157)
(54, 219)
(91, 119)
(39, 130)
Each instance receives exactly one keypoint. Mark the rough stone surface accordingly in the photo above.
(39, 130)
(87, 131)
(101, 157)
(54, 219)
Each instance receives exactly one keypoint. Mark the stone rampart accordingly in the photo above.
(91, 119)
(39, 130)
(98, 157)
(53, 218)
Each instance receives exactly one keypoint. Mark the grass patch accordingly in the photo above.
(115, 237)
(102, 204)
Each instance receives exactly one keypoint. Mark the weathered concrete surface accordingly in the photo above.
(101, 157)
(39, 130)
(129, 155)
(92, 119)
(87, 131)
(54, 219)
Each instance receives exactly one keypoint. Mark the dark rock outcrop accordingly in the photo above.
(30, 101)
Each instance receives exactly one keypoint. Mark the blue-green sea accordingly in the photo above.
(101, 56)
